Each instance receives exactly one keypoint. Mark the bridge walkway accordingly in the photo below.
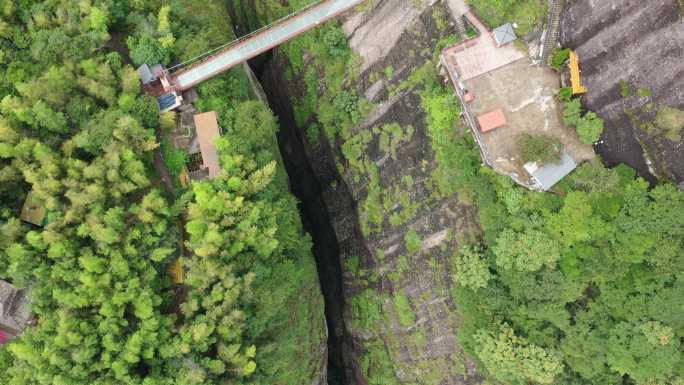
(241, 50)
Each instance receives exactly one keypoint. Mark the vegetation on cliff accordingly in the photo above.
(583, 285)
(76, 130)
(526, 13)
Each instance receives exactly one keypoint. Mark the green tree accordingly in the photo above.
(647, 352)
(590, 128)
(572, 112)
(512, 358)
(413, 241)
(527, 251)
(145, 49)
(470, 268)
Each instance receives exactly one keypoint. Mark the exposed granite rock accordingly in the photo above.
(417, 344)
(642, 44)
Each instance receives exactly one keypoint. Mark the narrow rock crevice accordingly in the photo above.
(306, 186)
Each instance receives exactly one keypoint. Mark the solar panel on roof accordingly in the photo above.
(166, 101)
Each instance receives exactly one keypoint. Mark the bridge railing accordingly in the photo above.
(207, 55)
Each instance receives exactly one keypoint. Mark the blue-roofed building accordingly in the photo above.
(169, 101)
(546, 176)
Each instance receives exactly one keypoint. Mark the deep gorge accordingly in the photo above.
(308, 190)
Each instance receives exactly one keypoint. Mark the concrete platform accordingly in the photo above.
(480, 55)
(526, 94)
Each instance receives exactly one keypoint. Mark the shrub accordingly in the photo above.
(671, 121)
(404, 311)
(412, 241)
(590, 128)
(366, 311)
(335, 42)
(625, 89)
(565, 94)
(470, 268)
(644, 93)
(538, 148)
(389, 72)
(347, 102)
(572, 112)
(313, 133)
(560, 56)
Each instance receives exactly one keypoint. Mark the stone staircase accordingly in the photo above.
(461, 27)
(552, 30)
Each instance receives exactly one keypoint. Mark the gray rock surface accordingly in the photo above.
(401, 35)
(641, 43)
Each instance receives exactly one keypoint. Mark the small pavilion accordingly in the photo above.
(504, 34)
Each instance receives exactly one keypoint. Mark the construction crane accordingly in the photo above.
(168, 84)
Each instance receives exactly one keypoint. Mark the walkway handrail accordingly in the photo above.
(474, 128)
(205, 55)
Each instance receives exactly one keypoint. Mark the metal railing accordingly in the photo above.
(474, 129)
(207, 55)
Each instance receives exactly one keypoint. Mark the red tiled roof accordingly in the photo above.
(207, 128)
(491, 120)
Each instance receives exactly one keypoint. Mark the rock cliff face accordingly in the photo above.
(632, 55)
(391, 315)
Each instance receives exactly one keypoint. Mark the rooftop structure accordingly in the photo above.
(145, 74)
(546, 176)
(504, 34)
(575, 78)
(169, 101)
(33, 211)
(14, 309)
(206, 126)
(156, 82)
(491, 120)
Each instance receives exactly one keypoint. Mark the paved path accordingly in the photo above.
(261, 42)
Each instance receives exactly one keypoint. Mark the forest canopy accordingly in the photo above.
(582, 286)
(76, 130)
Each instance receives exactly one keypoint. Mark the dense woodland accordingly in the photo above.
(76, 130)
(581, 286)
